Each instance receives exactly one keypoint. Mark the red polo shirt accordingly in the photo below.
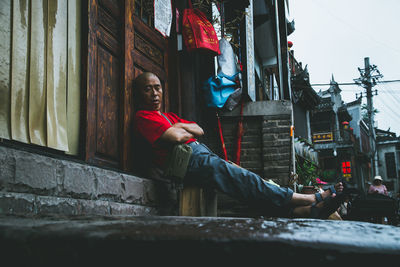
(151, 125)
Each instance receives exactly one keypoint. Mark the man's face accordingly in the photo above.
(152, 93)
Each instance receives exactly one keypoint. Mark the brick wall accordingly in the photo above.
(276, 148)
(265, 150)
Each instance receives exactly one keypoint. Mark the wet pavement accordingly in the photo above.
(94, 240)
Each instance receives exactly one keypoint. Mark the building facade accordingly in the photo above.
(67, 107)
(388, 146)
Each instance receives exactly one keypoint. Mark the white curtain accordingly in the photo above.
(40, 73)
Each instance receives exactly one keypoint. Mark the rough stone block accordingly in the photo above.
(17, 203)
(57, 205)
(35, 171)
(79, 179)
(129, 209)
(109, 184)
(138, 190)
(94, 207)
(7, 166)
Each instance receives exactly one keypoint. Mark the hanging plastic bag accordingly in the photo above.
(228, 65)
(217, 90)
(227, 60)
(234, 99)
(198, 32)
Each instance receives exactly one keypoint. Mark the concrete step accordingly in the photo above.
(179, 240)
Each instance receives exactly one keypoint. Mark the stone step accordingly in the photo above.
(180, 240)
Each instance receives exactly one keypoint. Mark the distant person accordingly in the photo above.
(377, 187)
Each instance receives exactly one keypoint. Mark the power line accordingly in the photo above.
(391, 92)
(353, 83)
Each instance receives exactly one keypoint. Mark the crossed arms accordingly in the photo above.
(181, 132)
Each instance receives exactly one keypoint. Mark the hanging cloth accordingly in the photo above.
(198, 32)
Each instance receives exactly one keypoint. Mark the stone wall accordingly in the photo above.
(37, 184)
(265, 149)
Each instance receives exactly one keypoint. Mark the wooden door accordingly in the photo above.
(104, 80)
(146, 50)
(122, 43)
(148, 47)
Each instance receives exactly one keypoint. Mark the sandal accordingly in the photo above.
(318, 196)
(331, 204)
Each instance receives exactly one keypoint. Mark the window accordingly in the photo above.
(144, 10)
(390, 165)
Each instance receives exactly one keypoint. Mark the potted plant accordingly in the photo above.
(307, 173)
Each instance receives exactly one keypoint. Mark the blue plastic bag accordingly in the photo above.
(217, 89)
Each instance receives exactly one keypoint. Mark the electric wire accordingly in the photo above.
(352, 83)
(357, 30)
(383, 88)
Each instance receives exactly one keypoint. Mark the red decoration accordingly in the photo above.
(198, 32)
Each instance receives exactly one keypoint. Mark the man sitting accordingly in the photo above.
(160, 131)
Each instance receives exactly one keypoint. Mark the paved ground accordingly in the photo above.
(154, 240)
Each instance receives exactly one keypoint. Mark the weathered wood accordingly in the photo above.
(197, 201)
(148, 51)
(189, 202)
(127, 105)
(105, 66)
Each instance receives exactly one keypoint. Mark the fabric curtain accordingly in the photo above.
(5, 99)
(40, 73)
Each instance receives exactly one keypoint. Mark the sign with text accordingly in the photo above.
(322, 137)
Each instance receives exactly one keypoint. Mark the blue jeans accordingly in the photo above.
(207, 169)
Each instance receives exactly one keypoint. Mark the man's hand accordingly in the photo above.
(192, 128)
(182, 132)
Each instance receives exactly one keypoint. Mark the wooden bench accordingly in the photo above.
(197, 201)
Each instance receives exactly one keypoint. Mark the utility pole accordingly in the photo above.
(368, 77)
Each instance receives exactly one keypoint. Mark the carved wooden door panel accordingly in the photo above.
(149, 47)
(104, 82)
(122, 43)
(145, 50)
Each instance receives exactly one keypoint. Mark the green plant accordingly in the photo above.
(307, 172)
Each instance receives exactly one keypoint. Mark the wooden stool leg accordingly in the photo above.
(196, 201)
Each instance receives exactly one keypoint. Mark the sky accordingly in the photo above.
(332, 37)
